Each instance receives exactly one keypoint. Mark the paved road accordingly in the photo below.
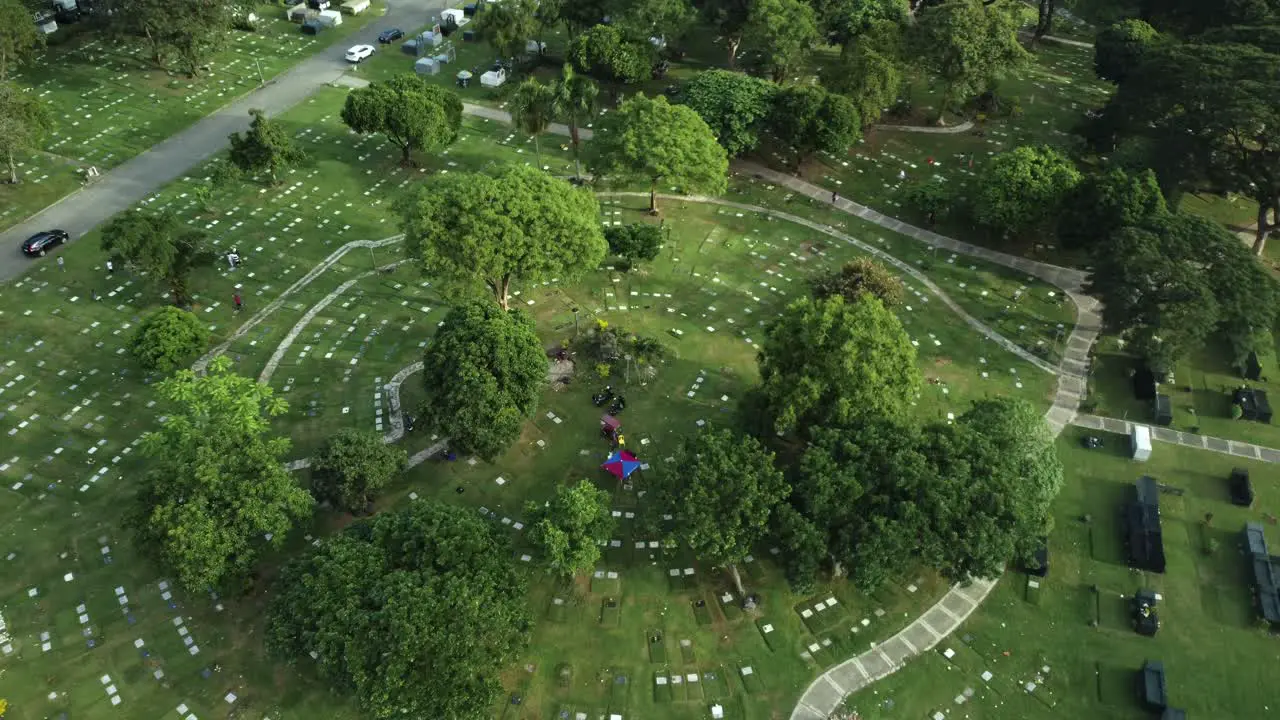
(1186, 439)
(138, 178)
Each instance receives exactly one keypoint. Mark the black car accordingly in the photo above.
(43, 242)
(391, 35)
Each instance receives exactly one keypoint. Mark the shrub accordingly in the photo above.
(167, 339)
(635, 242)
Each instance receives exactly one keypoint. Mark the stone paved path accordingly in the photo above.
(828, 691)
(1191, 440)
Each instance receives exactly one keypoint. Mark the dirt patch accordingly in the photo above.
(558, 373)
(942, 361)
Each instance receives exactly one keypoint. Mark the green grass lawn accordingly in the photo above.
(110, 102)
(1217, 658)
(1201, 392)
(72, 406)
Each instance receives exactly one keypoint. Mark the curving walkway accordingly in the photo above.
(949, 130)
(825, 694)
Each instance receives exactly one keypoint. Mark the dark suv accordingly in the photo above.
(391, 35)
(43, 242)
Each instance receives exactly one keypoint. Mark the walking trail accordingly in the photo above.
(828, 691)
(1186, 439)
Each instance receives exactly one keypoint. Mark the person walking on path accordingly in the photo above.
(239, 303)
(834, 197)
(62, 264)
(110, 268)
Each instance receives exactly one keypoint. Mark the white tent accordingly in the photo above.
(329, 18)
(355, 7)
(493, 78)
(1140, 441)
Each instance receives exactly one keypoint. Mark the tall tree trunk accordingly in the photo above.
(504, 290)
(1044, 25)
(574, 143)
(734, 44)
(653, 197)
(537, 150)
(1260, 233)
(405, 159)
(737, 579)
(13, 169)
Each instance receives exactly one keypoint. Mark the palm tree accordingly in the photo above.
(575, 97)
(532, 105)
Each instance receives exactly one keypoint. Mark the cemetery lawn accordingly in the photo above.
(109, 102)
(1217, 658)
(72, 406)
(1200, 393)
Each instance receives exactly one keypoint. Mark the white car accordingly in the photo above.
(359, 52)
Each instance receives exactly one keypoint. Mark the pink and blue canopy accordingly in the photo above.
(621, 463)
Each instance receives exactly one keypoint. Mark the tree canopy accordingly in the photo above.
(575, 99)
(970, 44)
(570, 527)
(217, 492)
(808, 118)
(868, 77)
(604, 51)
(415, 612)
(782, 33)
(352, 468)
(167, 339)
(159, 244)
(266, 147)
(720, 488)
(483, 371)
(858, 276)
(25, 120)
(532, 106)
(829, 362)
(634, 242)
(1120, 47)
(487, 230)
(1024, 187)
(509, 26)
(407, 110)
(649, 140)
(1105, 202)
(19, 36)
(844, 22)
(733, 105)
(730, 18)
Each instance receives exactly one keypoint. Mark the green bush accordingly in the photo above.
(167, 339)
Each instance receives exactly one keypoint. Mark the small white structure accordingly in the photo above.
(493, 78)
(1140, 441)
(717, 712)
(427, 66)
(533, 47)
(458, 17)
(355, 7)
(329, 18)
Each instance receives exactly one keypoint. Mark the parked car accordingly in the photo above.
(318, 4)
(359, 52)
(43, 242)
(391, 35)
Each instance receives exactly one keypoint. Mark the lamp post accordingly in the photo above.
(575, 323)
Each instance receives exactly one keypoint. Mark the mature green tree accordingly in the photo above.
(845, 22)
(509, 26)
(353, 467)
(930, 196)
(1212, 108)
(733, 105)
(720, 488)
(265, 147)
(217, 491)
(729, 17)
(1044, 19)
(142, 19)
(407, 110)
(483, 371)
(649, 140)
(1154, 291)
(415, 612)
(861, 486)
(571, 527)
(996, 474)
(158, 244)
(19, 36)
(830, 362)
(195, 31)
(783, 32)
(167, 339)
(1120, 47)
(803, 546)
(575, 99)
(1105, 202)
(860, 276)
(971, 44)
(807, 119)
(25, 120)
(579, 16)
(478, 231)
(1023, 188)
(532, 106)
(667, 20)
(866, 76)
(1194, 17)
(607, 53)
(635, 242)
